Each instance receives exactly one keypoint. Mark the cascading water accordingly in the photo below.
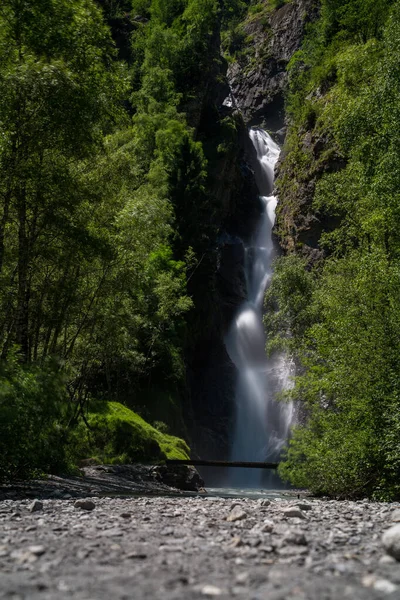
(262, 423)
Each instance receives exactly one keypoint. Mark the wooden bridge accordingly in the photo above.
(223, 463)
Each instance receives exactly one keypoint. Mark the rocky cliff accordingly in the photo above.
(258, 77)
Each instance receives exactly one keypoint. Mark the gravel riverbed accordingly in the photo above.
(197, 547)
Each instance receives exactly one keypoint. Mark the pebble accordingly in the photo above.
(293, 513)
(395, 517)
(380, 585)
(194, 547)
(304, 505)
(211, 590)
(237, 514)
(391, 541)
(37, 550)
(295, 537)
(265, 502)
(35, 506)
(85, 504)
(267, 526)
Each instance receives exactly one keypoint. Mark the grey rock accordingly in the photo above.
(293, 512)
(237, 514)
(37, 550)
(267, 526)
(85, 504)
(36, 506)
(395, 516)
(259, 80)
(391, 541)
(265, 503)
(297, 538)
(211, 591)
(304, 506)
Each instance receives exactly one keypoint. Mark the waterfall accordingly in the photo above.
(261, 423)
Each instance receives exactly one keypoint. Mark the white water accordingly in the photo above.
(261, 424)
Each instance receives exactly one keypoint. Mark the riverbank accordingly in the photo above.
(196, 547)
(103, 480)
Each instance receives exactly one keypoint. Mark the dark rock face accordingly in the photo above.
(181, 477)
(259, 79)
(299, 225)
(211, 374)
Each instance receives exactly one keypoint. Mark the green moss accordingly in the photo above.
(116, 434)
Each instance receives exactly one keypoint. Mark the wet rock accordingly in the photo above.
(391, 541)
(182, 477)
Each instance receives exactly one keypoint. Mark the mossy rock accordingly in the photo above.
(119, 435)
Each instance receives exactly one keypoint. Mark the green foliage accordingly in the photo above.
(33, 406)
(342, 318)
(118, 435)
(102, 191)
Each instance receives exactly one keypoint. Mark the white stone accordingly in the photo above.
(395, 516)
(211, 591)
(294, 512)
(391, 541)
(236, 515)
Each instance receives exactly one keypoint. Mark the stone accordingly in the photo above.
(295, 537)
(182, 477)
(237, 514)
(391, 541)
(293, 513)
(380, 585)
(242, 578)
(85, 504)
(265, 503)
(236, 542)
(304, 506)
(395, 516)
(125, 515)
(211, 590)
(37, 550)
(267, 526)
(385, 586)
(387, 560)
(137, 555)
(35, 506)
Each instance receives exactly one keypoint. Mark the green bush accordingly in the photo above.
(33, 406)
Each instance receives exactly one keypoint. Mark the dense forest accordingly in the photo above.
(337, 301)
(104, 212)
(109, 218)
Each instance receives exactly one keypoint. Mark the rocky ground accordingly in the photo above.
(198, 547)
